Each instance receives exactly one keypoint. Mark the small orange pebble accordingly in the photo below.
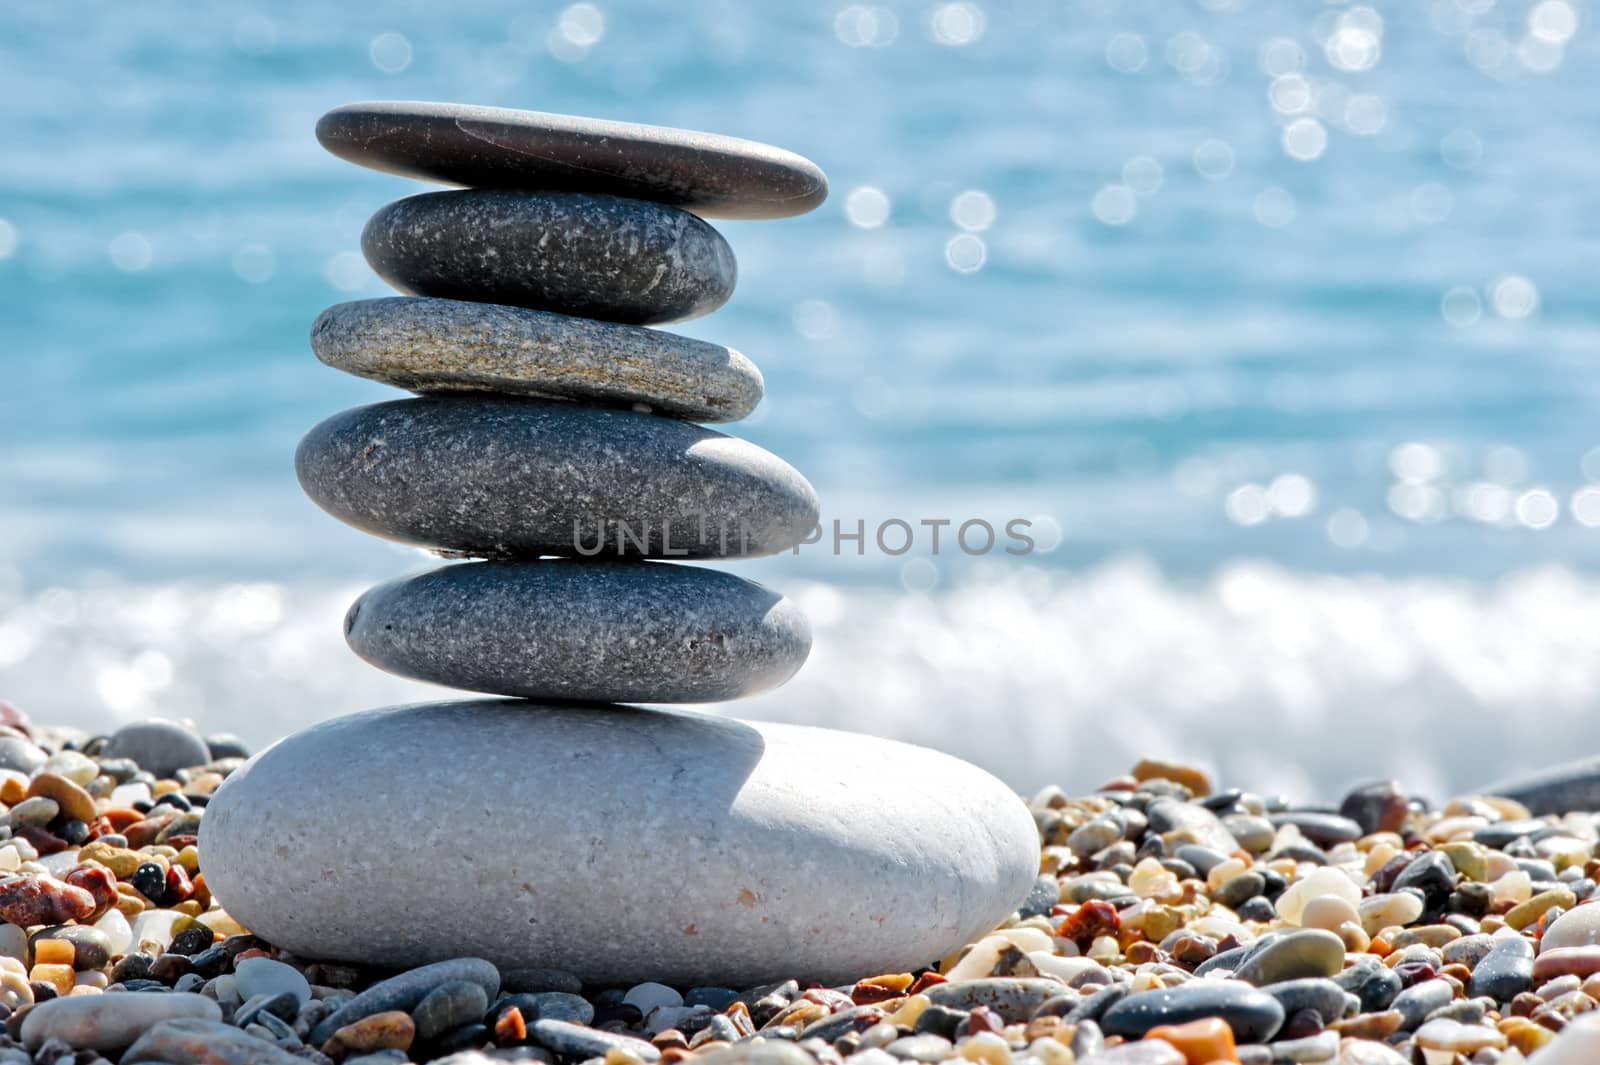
(202, 894)
(1380, 947)
(253, 952)
(54, 952)
(1119, 784)
(1200, 1042)
(510, 1028)
(926, 980)
(120, 817)
(164, 787)
(13, 789)
(673, 1055)
(60, 977)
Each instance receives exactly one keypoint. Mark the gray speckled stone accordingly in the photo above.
(162, 747)
(432, 345)
(594, 256)
(585, 629)
(405, 991)
(496, 147)
(503, 478)
(618, 843)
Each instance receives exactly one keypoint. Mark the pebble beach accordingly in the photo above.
(1175, 921)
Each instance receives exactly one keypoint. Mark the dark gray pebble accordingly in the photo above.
(592, 256)
(591, 630)
(1252, 1014)
(450, 1005)
(506, 478)
(1506, 971)
(1419, 1000)
(1557, 790)
(1323, 829)
(579, 1043)
(404, 991)
(497, 147)
(1323, 997)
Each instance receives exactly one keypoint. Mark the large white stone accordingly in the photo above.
(619, 843)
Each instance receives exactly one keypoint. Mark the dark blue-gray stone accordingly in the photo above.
(1045, 894)
(1373, 983)
(1252, 1014)
(1326, 998)
(598, 631)
(1419, 1000)
(497, 147)
(548, 1006)
(1506, 971)
(505, 478)
(580, 1043)
(450, 1005)
(434, 345)
(405, 991)
(1554, 790)
(1323, 829)
(570, 252)
(1431, 873)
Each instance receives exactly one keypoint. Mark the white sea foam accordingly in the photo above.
(1276, 679)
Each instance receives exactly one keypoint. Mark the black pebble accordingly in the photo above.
(150, 880)
(75, 832)
(191, 941)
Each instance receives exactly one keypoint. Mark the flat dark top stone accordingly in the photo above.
(498, 147)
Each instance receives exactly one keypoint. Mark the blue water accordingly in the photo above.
(1107, 296)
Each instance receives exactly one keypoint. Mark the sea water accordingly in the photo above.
(1274, 323)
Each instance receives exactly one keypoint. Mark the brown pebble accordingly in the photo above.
(391, 1030)
(75, 803)
(1195, 780)
(1374, 1026)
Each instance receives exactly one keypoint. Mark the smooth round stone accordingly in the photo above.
(1252, 1014)
(162, 747)
(480, 476)
(580, 629)
(617, 843)
(1578, 927)
(497, 147)
(435, 345)
(1506, 971)
(1294, 955)
(112, 1020)
(594, 256)
(263, 976)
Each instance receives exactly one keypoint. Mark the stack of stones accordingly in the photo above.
(554, 441)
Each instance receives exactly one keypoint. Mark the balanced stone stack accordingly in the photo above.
(555, 441)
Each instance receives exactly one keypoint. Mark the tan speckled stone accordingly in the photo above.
(439, 345)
